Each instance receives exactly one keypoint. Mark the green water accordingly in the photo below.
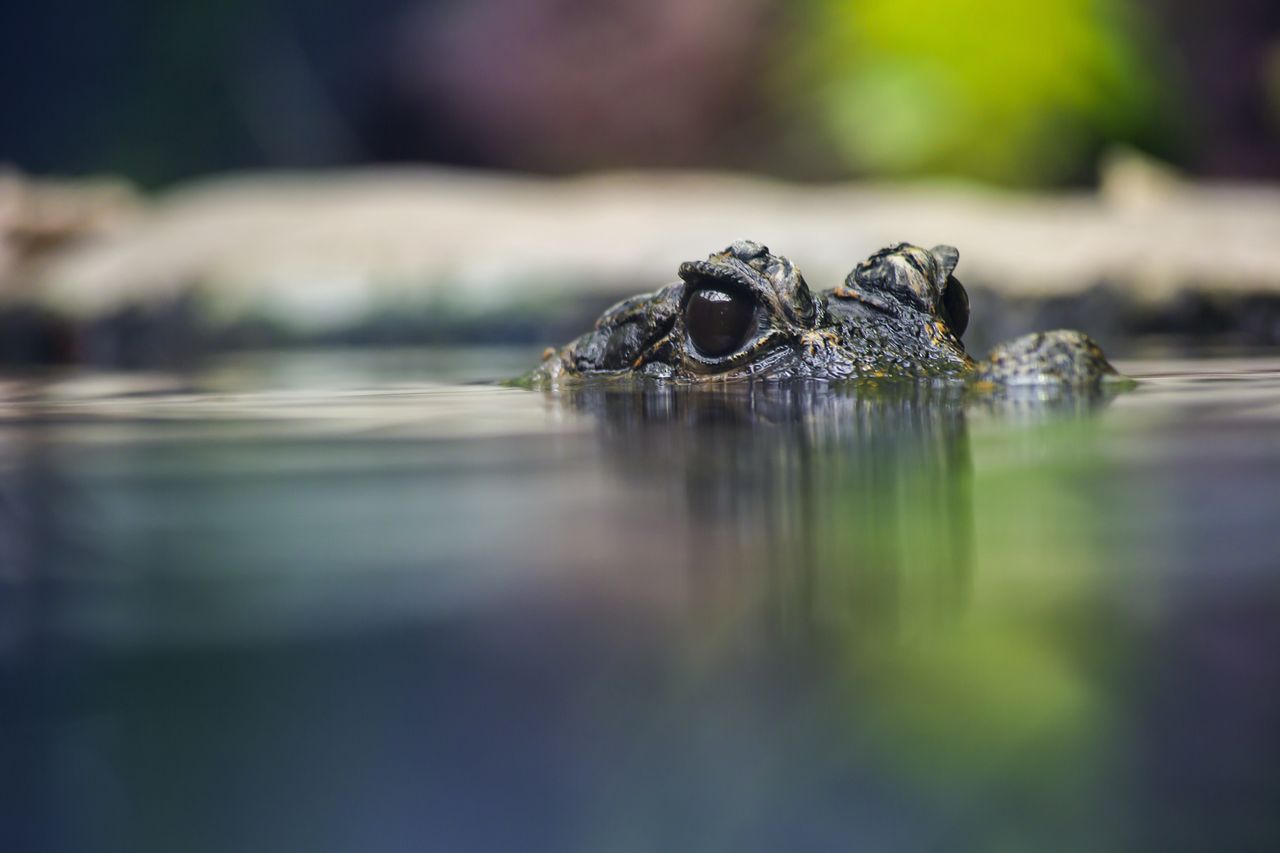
(336, 601)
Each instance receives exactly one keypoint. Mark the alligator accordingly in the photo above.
(745, 313)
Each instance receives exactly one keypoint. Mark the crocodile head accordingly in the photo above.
(745, 312)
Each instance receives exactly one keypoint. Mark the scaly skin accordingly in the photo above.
(898, 315)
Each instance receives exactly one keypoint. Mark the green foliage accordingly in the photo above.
(1002, 90)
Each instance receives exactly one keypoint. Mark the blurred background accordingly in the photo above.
(1027, 95)
(404, 171)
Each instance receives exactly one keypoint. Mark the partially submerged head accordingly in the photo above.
(745, 312)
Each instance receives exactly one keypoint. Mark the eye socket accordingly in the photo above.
(719, 322)
(955, 306)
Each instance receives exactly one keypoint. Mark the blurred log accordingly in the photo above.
(319, 253)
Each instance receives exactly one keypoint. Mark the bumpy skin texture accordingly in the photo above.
(1063, 357)
(898, 314)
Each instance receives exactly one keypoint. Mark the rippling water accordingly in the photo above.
(345, 602)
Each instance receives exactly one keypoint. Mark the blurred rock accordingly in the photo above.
(1128, 179)
(39, 217)
(432, 254)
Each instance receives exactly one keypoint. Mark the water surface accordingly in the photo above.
(336, 601)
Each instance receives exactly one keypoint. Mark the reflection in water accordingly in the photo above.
(770, 618)
(831, 507)
(833, 564)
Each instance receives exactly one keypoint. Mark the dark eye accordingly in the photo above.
(955, 306)
(718, 322)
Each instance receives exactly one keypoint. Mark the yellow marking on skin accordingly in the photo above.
(814, 340)
(644, 357)
(939, 334)
(548, 352)
(935, 334)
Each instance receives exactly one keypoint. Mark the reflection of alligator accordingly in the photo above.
(829, 505)
(818, 504)
(745, 312)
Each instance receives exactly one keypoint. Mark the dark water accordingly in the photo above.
(335, 603)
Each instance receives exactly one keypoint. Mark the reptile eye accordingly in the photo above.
(719, 322)
(955, 306)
